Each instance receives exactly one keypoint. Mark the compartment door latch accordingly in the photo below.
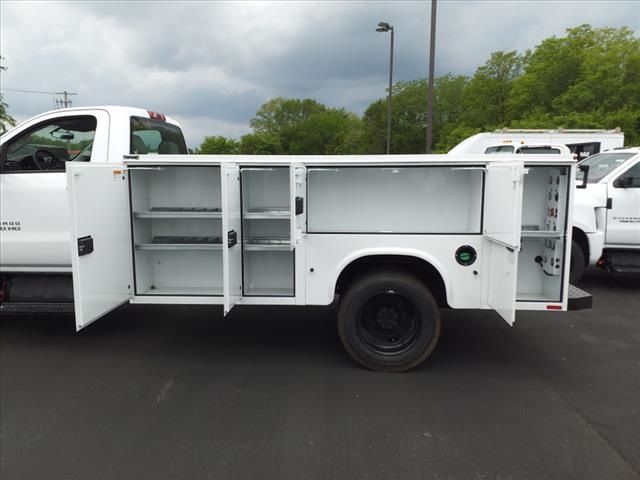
(232, 238)
(85, 245)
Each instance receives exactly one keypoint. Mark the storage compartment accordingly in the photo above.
(540, 269)
(395, 199)
(269, 273)
(266, 227)
(542, 259)
(177, 230)
(179, 272)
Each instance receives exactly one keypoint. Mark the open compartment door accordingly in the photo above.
(502, 226)
(298, 214)
(100, 239)
(231, 236)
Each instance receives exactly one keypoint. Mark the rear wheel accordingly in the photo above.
(389, 321)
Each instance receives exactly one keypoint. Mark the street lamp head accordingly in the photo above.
(383, 27)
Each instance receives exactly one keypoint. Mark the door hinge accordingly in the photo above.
(609, 203)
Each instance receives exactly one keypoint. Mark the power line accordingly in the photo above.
(60, 102)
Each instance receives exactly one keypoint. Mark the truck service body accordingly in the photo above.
(392, 237)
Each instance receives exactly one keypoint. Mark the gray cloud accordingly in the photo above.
(211, 64)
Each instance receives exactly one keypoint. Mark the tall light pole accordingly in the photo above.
(385, 27)
(432, 55)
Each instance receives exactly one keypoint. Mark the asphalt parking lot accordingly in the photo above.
(174, 392)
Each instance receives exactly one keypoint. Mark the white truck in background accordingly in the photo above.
(606, 218)
(582, 143)
(35, 261)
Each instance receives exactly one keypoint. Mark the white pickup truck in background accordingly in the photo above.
(34, 208)
(582, 143)
(606, 214)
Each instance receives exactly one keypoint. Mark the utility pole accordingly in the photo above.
(432, 54)
(66, 102)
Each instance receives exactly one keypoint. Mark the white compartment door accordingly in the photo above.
(502, 229)
(231, 236)
(298, 176)
(100, 239)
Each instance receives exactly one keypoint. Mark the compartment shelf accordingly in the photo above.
(182, 291)
(541, 234)
(266, 213)
(267, 243)
(195, 212)
(178, 246)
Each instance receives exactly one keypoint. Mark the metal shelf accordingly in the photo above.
(267, 244)
(196, 212)
(266, 213)
(541, 234)
(177, 246)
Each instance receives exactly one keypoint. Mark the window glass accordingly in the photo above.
(499, 149)
(155, 136)
(49, 145)
(632, 176)
(601, 164)
(538, 150)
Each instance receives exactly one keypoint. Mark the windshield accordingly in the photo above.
(601, 164)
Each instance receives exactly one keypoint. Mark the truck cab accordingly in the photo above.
(34, 209)
(607, 213)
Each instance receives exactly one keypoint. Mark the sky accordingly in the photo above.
(210, 65)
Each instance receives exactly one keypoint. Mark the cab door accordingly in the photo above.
(101, 255)
(501, 230)
(623, 218)
(34, 209)
(231, 236)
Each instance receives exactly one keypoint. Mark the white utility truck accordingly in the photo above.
(582, 143)
(606, 218)
(394, 238)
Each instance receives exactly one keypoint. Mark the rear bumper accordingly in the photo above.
(579, 299)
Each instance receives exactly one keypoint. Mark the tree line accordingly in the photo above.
(588, 78)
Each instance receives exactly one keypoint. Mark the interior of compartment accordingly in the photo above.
(542, 259)
(178, 272)
(265, 190)
(266, 228)
(394, 199)
(268, 273)
(540, 269)
(177, 230)
(545, 213)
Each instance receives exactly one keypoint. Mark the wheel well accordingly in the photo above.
(422, 269)
(581, 239)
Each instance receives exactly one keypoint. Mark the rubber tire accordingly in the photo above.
(577, 266)
(413, 290)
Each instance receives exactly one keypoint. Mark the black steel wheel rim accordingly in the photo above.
(388, 323)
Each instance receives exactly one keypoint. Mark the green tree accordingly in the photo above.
(487, 94)
(5, 118)
(301, 127)
(408, 118)
(219, 145)
(260, 144)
